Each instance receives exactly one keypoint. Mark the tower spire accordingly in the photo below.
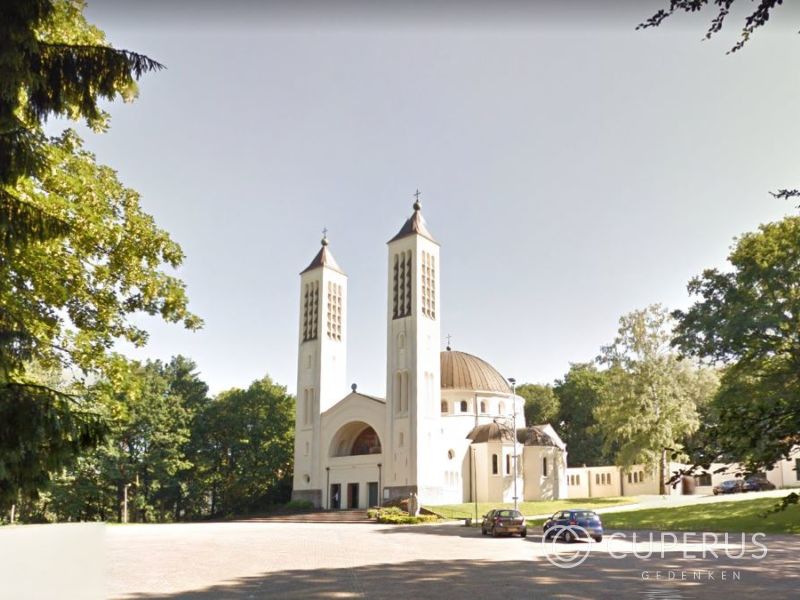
(324, 257)
(415, 224)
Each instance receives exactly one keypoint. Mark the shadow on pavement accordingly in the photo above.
(601, 576)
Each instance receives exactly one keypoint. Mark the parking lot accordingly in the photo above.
(318, 560)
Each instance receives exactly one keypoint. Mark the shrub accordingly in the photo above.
(393, 515)
(406, 519)
(299, 505)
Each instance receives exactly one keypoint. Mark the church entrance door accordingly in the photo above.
(336, 496)
(352, 495)
(372, 487)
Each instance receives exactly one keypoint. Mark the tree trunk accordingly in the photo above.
(119, 502)
(662, 475)
(13, 512)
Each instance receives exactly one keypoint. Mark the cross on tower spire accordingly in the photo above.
(417, 204)
(448, 341)
(324, 236)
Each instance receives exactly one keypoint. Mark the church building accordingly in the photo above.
(445, 430)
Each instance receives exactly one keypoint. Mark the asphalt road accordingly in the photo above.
(246, 560)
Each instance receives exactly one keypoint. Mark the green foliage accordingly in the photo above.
(648, 403)
(299, 505)
(38, 428)
(541, 403)
(151, 409)
(578, 394)
(245, 448)
(78, 254)
(54, 63)
(748, 319)
(179, 454)
(395, 516)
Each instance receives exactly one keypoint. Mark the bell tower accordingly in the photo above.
(413, 394)
(321, 365)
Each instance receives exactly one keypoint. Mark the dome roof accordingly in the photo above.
(462, 371)
(491, 432)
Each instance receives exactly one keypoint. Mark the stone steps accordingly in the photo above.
(333, 516)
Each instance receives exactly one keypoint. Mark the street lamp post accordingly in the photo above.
(380, 485)
(513, 383)
(328, 485)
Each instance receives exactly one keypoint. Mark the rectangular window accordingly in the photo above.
(508, 464)
(494, 464)
(703, 479)
(797, 468)
(406, 392)
(544, 466)
(577, 479)
(597, 478)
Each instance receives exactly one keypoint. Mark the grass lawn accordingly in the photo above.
(743, 516)
(467, 509)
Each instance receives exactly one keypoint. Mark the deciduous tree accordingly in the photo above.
(579, 394)
(747, 318)
(649, 400)
(541, 403)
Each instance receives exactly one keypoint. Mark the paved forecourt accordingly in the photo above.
(324, 560)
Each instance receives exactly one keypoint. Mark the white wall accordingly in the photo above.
(539, 486)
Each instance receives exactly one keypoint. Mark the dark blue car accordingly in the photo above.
(569, 525)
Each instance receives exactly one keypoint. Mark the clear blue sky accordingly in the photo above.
(572, 168)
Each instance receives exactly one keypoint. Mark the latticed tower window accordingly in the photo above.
(428, 285)
(334, 311)
(310, 311)
(401, 285)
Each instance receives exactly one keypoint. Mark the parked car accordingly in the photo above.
(504, 520)
(757, 483)
(731, 486)
(586, 519)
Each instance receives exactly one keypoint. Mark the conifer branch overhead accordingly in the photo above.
(22, 222)
(757, 18)
(76, 76)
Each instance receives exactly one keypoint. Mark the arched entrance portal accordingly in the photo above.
(354, 439)
(354, 466)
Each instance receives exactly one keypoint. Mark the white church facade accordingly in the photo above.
(445, 430)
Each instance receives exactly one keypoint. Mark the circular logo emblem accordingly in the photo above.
(556, 555)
